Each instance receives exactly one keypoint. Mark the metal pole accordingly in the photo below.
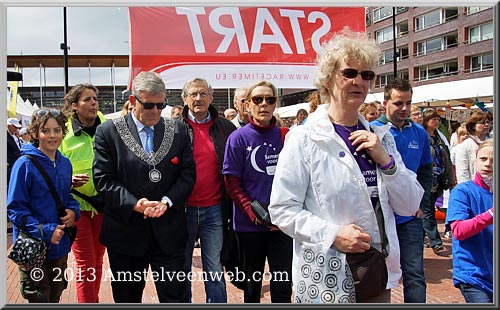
(41, 90)
(395, 56)
(114, 86)
(64, 47)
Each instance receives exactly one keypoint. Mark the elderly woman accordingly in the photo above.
(249, 163)
(332, 173)
(478, 126)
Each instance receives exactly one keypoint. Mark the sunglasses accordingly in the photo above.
(43, 112)
(269, 100)
(351, 73)
(150, 105)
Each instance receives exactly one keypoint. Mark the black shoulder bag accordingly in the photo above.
(29, 252)
(369, 268)
(71, 231)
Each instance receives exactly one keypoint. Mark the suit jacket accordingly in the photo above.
(13, 153)
(123, 178)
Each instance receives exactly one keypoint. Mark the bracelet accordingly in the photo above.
(389, 165)
(490, 212)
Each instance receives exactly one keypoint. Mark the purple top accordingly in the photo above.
(251, 155)
(366, 164)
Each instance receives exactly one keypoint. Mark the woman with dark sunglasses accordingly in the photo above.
(82, 107)
(250, 159)
(334, 174)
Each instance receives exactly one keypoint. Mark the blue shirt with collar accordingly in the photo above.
(412, 142)
(142, 133)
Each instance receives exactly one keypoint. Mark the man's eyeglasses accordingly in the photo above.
(416, 114)
(269, 100)
(150, 105)
(43, 112)
(194, 95)
(351, 73)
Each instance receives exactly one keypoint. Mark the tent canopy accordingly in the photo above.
(455, 93)
(291, 110)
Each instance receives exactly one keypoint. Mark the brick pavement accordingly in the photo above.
(438, 270)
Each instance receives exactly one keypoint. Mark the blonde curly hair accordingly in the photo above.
(347, 46)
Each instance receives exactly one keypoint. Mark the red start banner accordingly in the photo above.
(235, 46)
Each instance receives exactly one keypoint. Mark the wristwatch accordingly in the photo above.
(164, 200)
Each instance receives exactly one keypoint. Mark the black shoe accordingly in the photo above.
(438, 248)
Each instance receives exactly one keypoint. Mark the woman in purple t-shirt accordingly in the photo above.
(249, 163)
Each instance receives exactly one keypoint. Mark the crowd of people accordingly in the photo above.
(349, 179)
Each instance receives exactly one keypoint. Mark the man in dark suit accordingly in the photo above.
(144, 167)
(13, 145)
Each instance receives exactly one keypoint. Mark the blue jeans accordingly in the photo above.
(474, 295)
(411, 245)
(430, 223)
(206, 223)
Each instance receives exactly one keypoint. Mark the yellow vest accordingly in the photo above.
(80, 151)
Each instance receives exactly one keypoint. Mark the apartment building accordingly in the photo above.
(433, 45)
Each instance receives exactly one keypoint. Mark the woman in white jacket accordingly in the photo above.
(332, 172)
(478, 126)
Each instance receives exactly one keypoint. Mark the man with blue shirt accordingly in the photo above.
(413, 144)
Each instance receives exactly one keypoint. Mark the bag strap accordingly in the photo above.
(23, 225)
(81, 195)
(381, 227)
(381, 222)
(52, 189)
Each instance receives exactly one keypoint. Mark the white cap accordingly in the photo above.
(13, 121)
(23, 131)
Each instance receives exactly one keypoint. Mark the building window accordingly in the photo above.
(402, 28)
(476, 9)
(386, 12)
(435, 18)
(437, 44)
(403, 52)
(481, 32)
(382, 13)
(439, 70)
(387, 57)
(384, 35)
(481, 62)
(384, 79)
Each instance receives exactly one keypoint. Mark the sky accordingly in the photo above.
(90, 31)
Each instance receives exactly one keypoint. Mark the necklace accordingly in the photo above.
(347, 128)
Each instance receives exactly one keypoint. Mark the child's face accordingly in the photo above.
(484, 162)
(50, 136)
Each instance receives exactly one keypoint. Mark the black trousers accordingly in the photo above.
(277, 247)
(131, 272)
